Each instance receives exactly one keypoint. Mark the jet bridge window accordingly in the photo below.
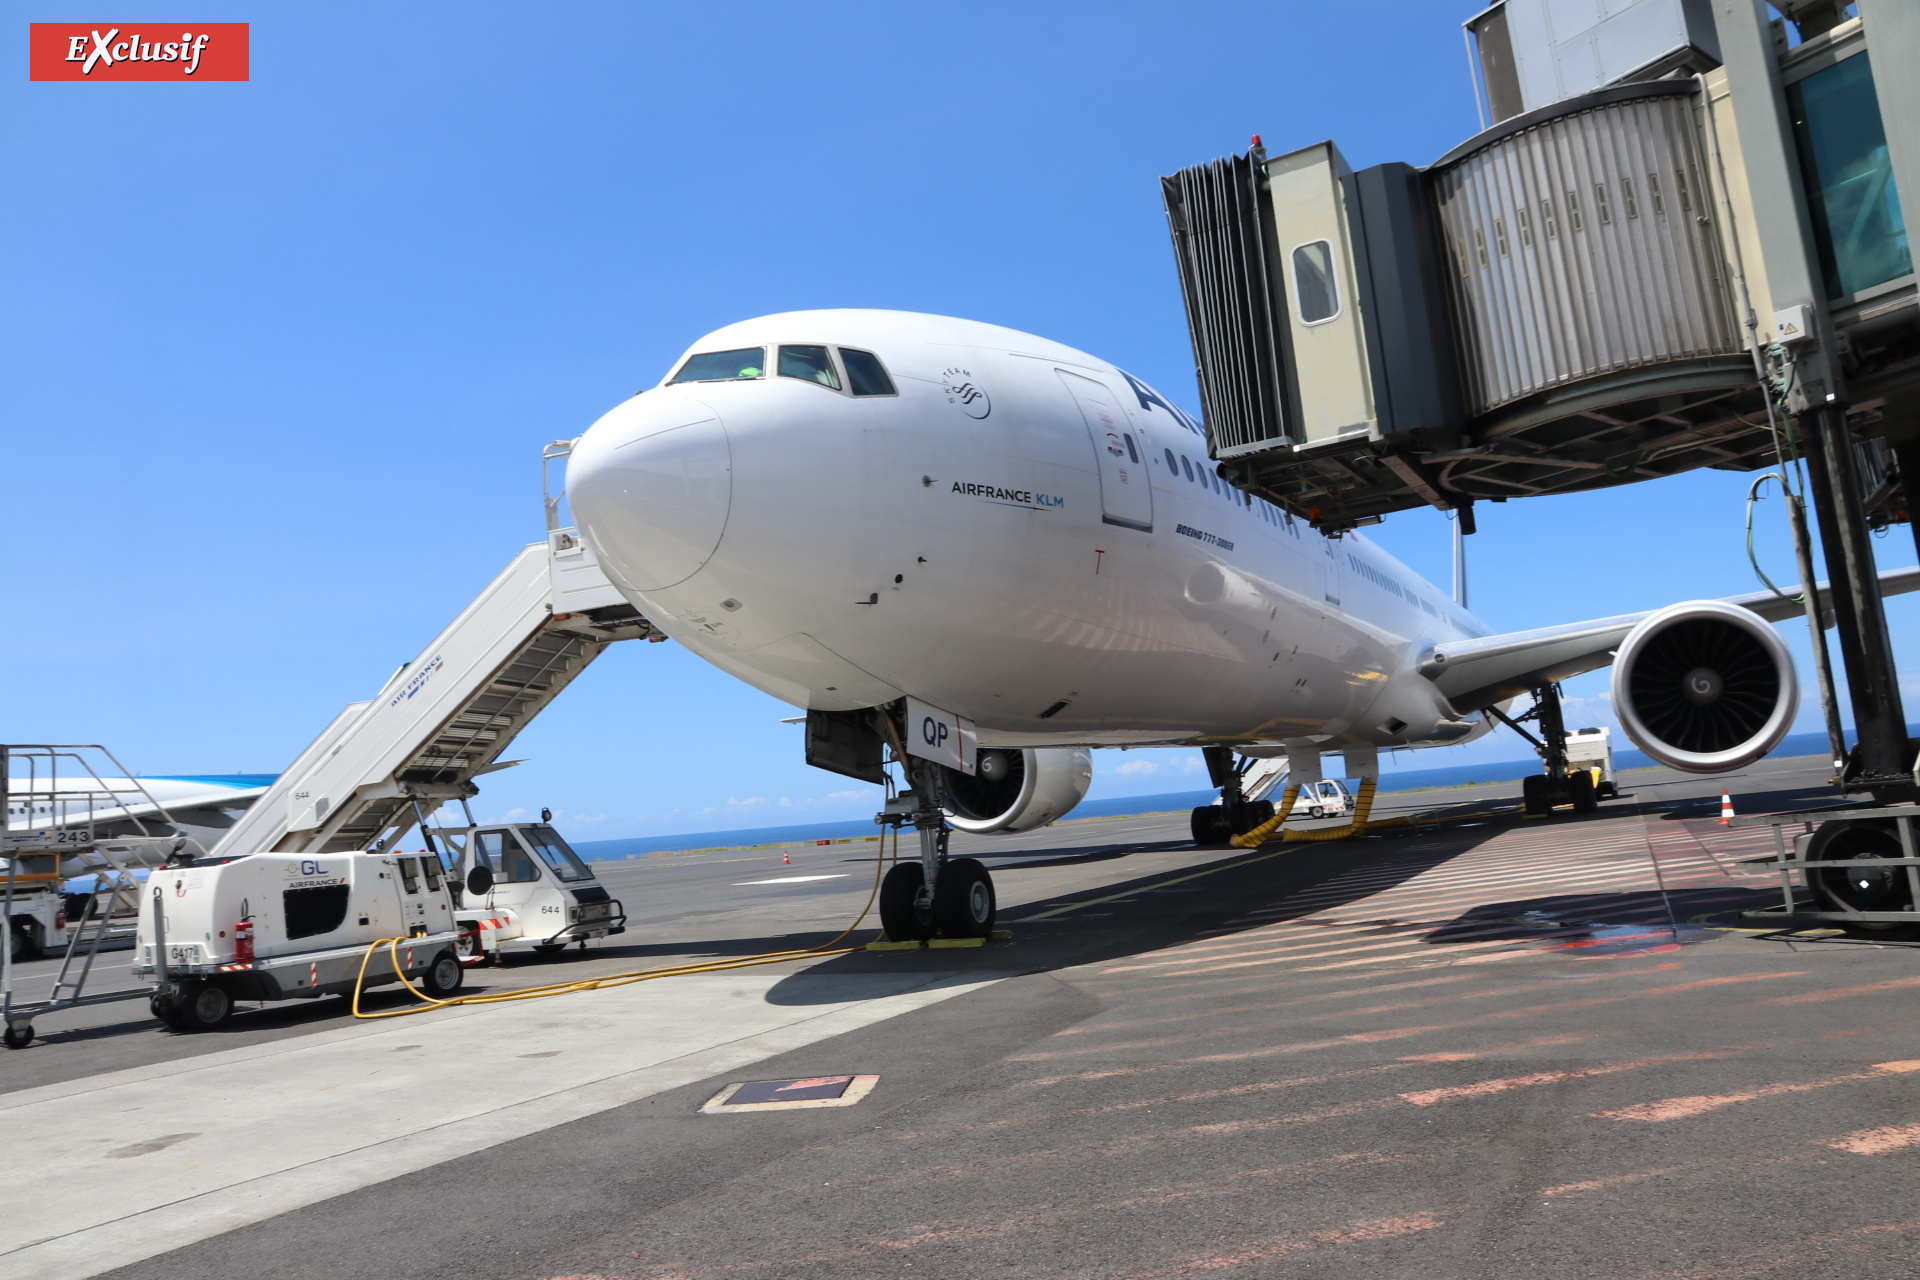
(865, 373)
(1858, 227)
(1313, 282)
(554, 852)
(809, 364)
(506, 859)
(723, 366)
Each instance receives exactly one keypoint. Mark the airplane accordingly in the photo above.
(201, 808)
(988, 552)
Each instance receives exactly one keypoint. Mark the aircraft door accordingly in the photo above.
(1126, 496)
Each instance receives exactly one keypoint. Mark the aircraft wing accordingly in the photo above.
(1478, 673)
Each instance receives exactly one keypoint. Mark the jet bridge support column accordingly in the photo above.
(1882, 762)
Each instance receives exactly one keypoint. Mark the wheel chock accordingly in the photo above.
(1000, 935)
(956, 942)
(911, 944)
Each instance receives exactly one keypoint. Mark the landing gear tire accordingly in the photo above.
(1536, 793)
(902, 914)
(1212, 826)
(965, 906)
(1580, 790)
(194, 1006)
(443, 976)
(1249, 814)
(18, 1037)
(1861, 888)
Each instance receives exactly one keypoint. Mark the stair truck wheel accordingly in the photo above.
(550, 950)
(1861, 888)
(965, 903)
(443, 976)
(900, 912)
(1580, 788)
(194, 1006)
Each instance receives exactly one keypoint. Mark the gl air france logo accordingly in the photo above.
(139, 51)
(965, 392)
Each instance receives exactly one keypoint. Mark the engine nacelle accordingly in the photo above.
(1705, 687)
(1017, 789)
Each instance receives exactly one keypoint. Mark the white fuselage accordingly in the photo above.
(1023, 535)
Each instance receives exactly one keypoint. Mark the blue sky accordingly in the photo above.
(280, 356)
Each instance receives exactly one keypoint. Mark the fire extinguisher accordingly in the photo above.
(243, 940)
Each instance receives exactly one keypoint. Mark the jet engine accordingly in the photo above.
(1705, 687)
(1017, 789)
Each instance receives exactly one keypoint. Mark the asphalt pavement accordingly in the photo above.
(1495, 1048)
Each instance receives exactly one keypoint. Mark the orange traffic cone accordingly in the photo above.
(785, 861)
(1726, 807)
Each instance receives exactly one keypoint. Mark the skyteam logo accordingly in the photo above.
(962, 390)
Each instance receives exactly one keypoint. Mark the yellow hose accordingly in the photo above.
(1259, 835)
(612, 979)
(1361, 808)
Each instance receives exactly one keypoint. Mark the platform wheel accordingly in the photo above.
(902, 914)
(18, 1037)
(964, 906)
(1580, 791)
(1862, 888)
(443, 976)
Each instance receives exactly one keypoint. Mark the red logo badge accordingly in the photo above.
(139, 51)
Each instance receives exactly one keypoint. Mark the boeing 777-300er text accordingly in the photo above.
(991, 552)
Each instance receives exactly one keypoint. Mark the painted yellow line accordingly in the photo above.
(1129, 893)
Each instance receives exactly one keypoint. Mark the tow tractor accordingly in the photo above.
(525, 889)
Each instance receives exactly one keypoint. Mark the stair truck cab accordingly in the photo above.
(524, 889)
(283, 926)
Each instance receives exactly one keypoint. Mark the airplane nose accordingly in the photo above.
(650, 485)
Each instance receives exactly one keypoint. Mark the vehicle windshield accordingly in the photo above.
(554, 852)
(507, 860)
(723, 366)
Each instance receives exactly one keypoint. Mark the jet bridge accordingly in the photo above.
(444, 718)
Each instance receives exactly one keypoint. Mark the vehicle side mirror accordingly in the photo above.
(480, 880)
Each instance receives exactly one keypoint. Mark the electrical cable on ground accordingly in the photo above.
(827, 948)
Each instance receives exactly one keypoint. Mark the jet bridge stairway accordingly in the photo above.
(445, 718)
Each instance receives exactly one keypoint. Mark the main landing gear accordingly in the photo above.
(1215, 824)
(1557, 785)
(937, 896)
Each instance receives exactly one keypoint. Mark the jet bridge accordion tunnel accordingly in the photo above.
(1544, 309)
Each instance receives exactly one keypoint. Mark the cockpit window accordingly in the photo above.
(723, 366)
(866, 374)
(810, 363)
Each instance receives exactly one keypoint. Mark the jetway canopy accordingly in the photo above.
(445, 717)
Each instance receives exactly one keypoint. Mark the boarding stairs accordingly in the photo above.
(444, 718)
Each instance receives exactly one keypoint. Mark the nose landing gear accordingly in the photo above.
(937, 896)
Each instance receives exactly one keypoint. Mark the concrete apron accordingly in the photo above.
(203, 1145)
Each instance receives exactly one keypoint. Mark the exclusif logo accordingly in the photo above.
(138, 51)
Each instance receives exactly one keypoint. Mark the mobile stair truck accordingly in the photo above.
(288, 902)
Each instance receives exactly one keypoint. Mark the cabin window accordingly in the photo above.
(1313, 282)
(1131, 451)
(314, 909)
(809, 364)
(1186, 466)
(507, 860)
(554, 852)
(1173, 464)
(723, 366)
(866, 374)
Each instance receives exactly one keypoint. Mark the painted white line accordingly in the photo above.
(838, 875)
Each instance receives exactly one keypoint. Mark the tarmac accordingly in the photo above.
(1497, 1048)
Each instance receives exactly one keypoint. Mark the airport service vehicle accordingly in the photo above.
(525, 889)
(1592, 750)
(280, 926)
(1327, 798)
(984, 551)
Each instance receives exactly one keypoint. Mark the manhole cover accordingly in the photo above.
(787, 1095)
